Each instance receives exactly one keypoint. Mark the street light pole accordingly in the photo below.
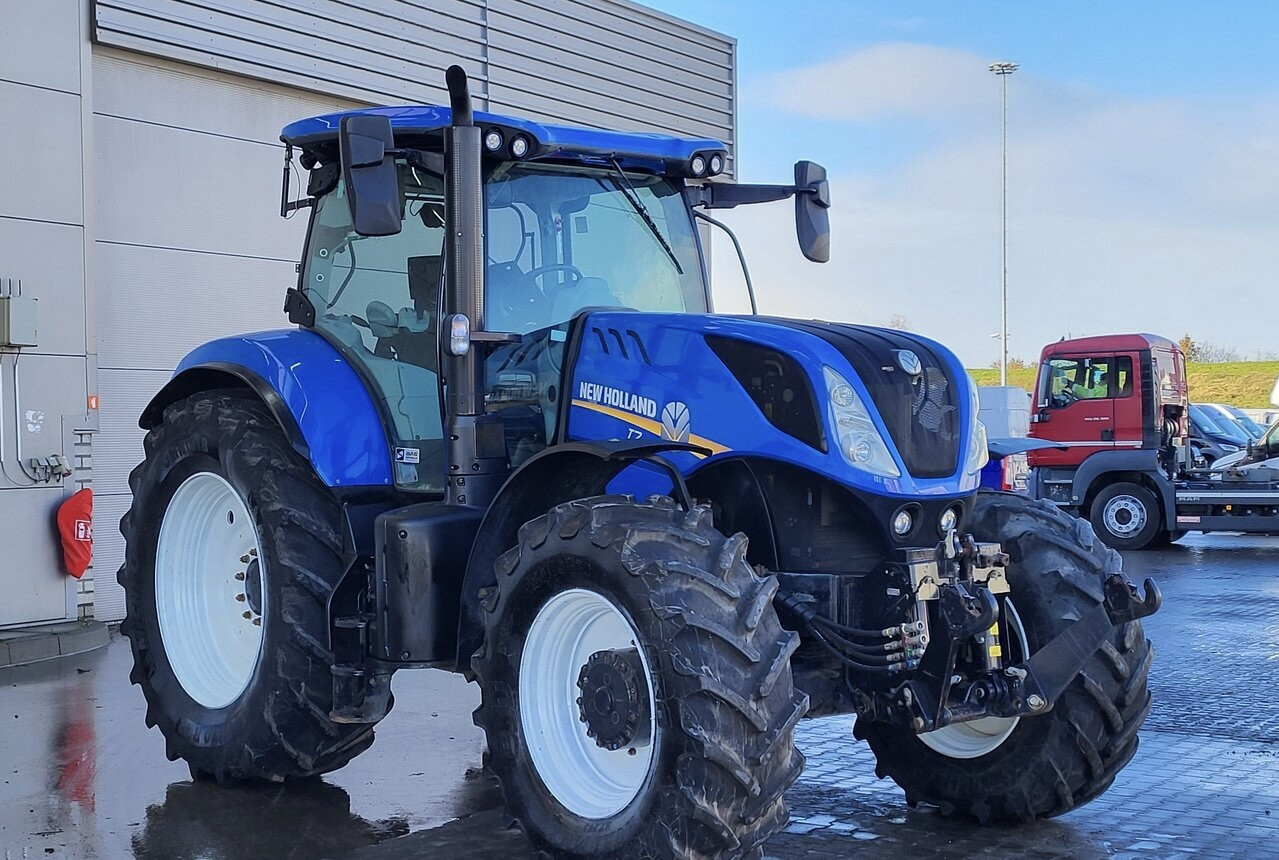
(1004, 69)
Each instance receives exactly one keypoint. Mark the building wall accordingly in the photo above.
(144, 212)
(43, 389)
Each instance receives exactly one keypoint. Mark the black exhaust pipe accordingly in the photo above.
(476, 445)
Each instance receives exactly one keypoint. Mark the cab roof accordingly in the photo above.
(1103, 343)
(550, 140)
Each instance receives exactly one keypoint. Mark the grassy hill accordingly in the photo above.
(1240, 383)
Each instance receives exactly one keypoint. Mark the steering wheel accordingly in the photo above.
(575, 274)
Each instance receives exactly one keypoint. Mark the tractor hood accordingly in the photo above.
(887, 411)
(922, 399)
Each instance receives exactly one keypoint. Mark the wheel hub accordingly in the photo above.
(1124, 515)
(614, 703)
(253, 586)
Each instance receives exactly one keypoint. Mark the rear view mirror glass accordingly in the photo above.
(812, 210)
(372, 185)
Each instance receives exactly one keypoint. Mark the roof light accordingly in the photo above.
(493, 140)
(697, 165)
(519, 146)
(717, 164)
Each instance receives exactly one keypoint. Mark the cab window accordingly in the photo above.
(377, 300)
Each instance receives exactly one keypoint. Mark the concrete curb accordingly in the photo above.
(50, 641)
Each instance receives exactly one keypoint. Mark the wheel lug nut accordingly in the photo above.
(248, 614)
(240, 597)
(244, 559)
(240, 575)
(257, 622)
(253, 552)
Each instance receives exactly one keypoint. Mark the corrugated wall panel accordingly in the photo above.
(387, 51)
(609, 63)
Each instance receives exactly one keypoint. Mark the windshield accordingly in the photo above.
(561, 239)
(1217, 425)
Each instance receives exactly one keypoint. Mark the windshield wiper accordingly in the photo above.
(628, 191)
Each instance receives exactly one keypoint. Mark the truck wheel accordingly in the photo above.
(233, 548)
(1126, 516)
(636, 686)
(1005, 771)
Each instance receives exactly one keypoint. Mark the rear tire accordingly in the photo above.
(718, 753)
(1126, 516)
(1054, 762)
(250, 551)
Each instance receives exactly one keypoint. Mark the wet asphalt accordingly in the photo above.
(82, 777)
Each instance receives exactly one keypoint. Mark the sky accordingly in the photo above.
(1143, 166)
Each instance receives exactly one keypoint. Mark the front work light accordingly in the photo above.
(698, 165)
(902, 523)
(493, 140)
(519, 146)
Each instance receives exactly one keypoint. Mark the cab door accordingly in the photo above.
(1076, 409)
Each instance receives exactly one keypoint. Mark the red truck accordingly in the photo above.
(1116, 407)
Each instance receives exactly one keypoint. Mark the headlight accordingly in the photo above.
(859, 439)
(978, 449)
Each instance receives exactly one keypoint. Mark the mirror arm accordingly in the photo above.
(725, 195)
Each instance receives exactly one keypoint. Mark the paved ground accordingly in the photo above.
(81, 777)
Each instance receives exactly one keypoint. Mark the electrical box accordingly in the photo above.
(17, 321)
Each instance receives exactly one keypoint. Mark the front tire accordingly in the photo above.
(1126, 516)
(233, 548)
(1050, 763)
(636, 686)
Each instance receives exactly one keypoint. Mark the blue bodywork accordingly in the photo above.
(553, 141)
(682, 369)
(327, 399)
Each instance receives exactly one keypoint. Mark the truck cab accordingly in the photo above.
(1117, 408)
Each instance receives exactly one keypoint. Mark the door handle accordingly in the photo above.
(1108, 435)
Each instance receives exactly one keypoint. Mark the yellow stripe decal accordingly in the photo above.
(654, 427)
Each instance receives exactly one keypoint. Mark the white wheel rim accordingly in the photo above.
(980, 737)
(1124, 516)
(204, 562)
(588, 780)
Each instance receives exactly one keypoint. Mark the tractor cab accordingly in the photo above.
(571, 219)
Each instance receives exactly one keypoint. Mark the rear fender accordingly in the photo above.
(320, 403)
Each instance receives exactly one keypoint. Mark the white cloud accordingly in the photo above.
(886, 80)
(1124, 215)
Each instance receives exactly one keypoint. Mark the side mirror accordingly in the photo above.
(812, 210)
(372, 185)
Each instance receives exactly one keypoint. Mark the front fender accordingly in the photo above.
(319, 400)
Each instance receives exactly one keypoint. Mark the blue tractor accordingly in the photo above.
(509, 438)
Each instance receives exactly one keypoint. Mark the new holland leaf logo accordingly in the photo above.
(676, 424)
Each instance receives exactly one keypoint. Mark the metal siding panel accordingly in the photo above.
(652, 37)
(329, 47)
(117, 446)
(108, 555)
(201, 297)
(31, 576)
(39, 175)
(40, 44)
(674, 104)
(49, 258)
(170, 188)
(194, 100)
